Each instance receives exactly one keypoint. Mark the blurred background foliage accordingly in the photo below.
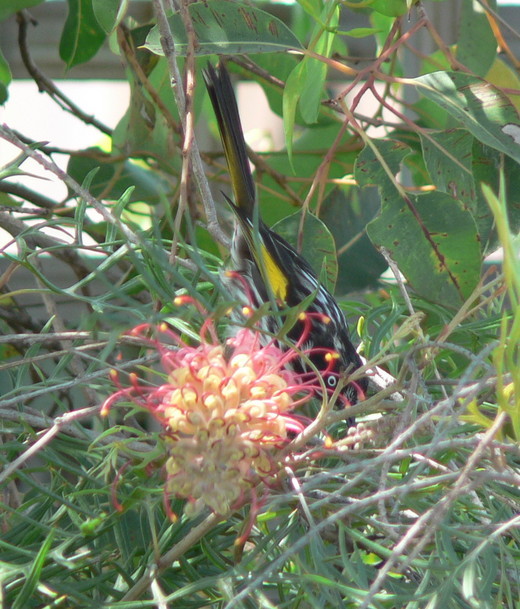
(400, 132)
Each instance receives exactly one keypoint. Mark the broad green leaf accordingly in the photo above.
(314, 71)
(434, 241)
(346, 212)
(435, 61)
(370, 170)
(309, 150)
(109, 13)
(486, 112)
(113, 179)
(432, 237)
(448, 160)
(144, 129)
(317, 246)
(304, 86)
(390, 8)
(383, 24)
(82, 35)
(278, 65)
(10, 7)
(313, 8)
(291, 95)
(136, 38)
(502, 75)
(476, 43)
(227, 28)
(487, 168)
(428, 112)
(361, 32)
(5, 78)
(310, 93)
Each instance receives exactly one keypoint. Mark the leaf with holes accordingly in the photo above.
(448, 157)
(432, 237)
(484, 110)
(378, 163)
(227, 28)
(434, 242)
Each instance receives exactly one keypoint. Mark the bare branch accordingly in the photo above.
(45, 84)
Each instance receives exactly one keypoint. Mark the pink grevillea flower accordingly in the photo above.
(226, 410)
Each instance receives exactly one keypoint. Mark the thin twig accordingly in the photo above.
(427, 523)
(10, 136)
(406, 297)
(59, 424)
(19, 400)
(189, 125)
(123, 39)
(35, 238)
(198, 169)
(45, 84)
(18, 190)
(166, 560)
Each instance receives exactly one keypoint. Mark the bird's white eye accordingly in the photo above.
(332, 380)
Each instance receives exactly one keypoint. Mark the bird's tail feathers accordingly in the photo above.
(225, 107)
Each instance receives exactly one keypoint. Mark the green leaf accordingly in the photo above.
(346, 212)
(279, 65)
(499, 172)
(109, 13)
(10, 7)
(434, 241)
(379, 169)
(435, 61)
(486, 112)
(113, 179)
(309, 149)
(304, 86)
(476, 44)
(470, 584)
(33, 578)
(501, 74)
(432, 237)
(227, 28)
(144, 128)
(314, 71)
(448, 159)
(82, 35)
(317, 246)
(5, 78)
(361, 32)
(390, 8)
(313, 8)
(310, 93)
(291, 95)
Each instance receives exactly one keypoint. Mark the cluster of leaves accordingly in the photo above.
(402, 157)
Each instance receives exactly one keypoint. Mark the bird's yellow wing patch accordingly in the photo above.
(275, 277)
